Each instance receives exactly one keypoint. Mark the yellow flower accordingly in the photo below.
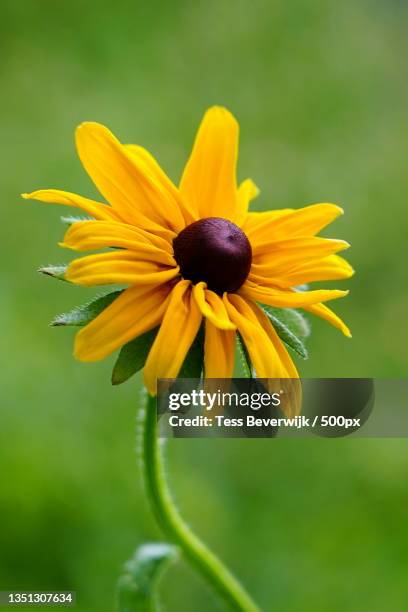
(192, 252)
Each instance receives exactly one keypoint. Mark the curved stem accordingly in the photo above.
(176, 529)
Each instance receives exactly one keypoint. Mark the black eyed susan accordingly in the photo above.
(193, 252)
(187, 255)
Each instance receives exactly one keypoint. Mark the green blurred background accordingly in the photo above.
(320, 90)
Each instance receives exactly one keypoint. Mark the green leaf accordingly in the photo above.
(137, 586)
(82, 315)
(293, 319)
(70, 219)
(132, 357)
(193, 363)
(55, 271)
(245, 359)
(291, 327)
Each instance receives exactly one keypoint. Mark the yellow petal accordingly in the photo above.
(209, 179)
(87, 235)
(292, 388)
(306, 221)
(219, 352)
(55, 196)
(126, 182)
(118, 267)
(134, 312)
(280, 254)
(177, 332)
(276, 341)
(288, 299)
(255, 221)
(261, 345)
(328, 268)
(212, 307)
(247, 191)
(163, 179)
(285, 256)
(326, 313)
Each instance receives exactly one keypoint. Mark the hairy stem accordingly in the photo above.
(177, 531)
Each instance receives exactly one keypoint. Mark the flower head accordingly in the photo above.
(193, 253)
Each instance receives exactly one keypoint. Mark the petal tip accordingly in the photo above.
(150, 383)
(343, 244)
(220, 112)
(79, 353)
(87, 128)
(218, 108)
(335, 208)
(65, 245)
(82, 350)
(87, 124)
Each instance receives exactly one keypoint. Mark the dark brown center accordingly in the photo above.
(215, 251)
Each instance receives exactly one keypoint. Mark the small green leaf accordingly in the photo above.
(293, 319)
(193, 363)
(245, 359)
(303, 287)
(82, 315)
(55, 271)
(290, 326)
(137, 586)
(132, 357)
(70, 219)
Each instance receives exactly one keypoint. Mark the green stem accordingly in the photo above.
(174, 526)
